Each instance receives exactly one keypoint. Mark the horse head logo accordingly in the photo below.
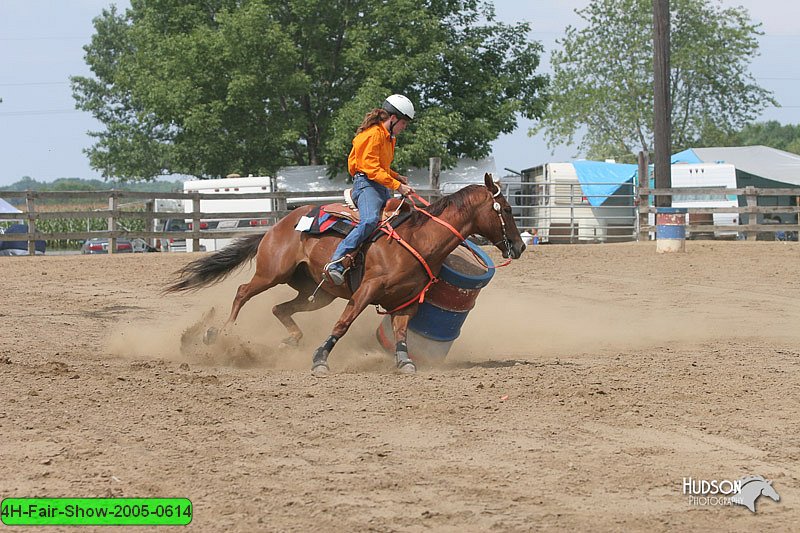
(752, 488)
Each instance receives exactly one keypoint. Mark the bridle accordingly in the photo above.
(499, 210)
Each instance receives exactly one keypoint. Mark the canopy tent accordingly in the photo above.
(599, 180)
(6, 207)
(762, 161)
(466, 171)
(315, 177)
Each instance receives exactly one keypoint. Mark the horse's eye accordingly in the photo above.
(507, 210)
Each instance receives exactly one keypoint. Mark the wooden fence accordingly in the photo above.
(751, 229)
(115, 212)
(117, 202)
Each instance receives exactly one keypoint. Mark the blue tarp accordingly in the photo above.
(599, 180)
(687, 156)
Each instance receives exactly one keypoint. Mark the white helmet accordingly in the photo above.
(399, 105)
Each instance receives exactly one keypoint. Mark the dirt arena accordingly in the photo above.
(589, 381)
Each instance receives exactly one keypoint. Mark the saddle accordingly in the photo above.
(342, 218)
(349, 211)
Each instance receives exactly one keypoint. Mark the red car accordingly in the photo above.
(99, 245)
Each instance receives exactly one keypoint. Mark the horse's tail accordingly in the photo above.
(217, 266)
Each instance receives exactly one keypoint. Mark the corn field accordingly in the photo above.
(100, 223)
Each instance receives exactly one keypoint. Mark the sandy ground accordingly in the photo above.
(588, 382)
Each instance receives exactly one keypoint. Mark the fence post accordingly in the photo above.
(279, 204)
(196, 222)
(150, 224)
(572, 229)
(643, 199)
(434, 170)
(752, 215)
(31, 207)
(113, 204)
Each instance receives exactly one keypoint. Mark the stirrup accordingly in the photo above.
(334, 275)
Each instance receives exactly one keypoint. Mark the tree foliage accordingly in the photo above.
(210, 87)
(603, 77)
(771, 133)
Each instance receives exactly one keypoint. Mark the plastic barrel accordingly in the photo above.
(437, 324)
(670, 229)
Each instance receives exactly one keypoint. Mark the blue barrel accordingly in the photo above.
(671, 229)
(447, 304)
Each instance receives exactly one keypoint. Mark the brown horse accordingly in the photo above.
(392, 275)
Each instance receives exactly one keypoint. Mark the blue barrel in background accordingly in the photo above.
(671, 229)
(447, 304)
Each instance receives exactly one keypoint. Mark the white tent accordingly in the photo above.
(314, 178)
(761, 161)
(6, 207)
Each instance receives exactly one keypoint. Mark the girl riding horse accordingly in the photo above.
(393, 275)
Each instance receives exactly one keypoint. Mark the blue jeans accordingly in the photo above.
(370, 197)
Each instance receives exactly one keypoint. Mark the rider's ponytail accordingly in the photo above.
(376, 116)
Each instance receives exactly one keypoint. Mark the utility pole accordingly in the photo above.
(663, 107)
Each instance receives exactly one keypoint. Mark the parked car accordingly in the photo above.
(141, 246)
(19, 247)
(99, 245)
(172, 244)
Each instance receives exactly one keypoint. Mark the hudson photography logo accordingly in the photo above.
(713, 492)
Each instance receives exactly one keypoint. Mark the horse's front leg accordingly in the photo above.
(400, 326)
(358, 302)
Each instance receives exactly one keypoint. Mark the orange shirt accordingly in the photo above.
(372, 153)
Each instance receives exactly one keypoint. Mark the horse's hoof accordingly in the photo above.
(210, 336)
(407, 367)
(320, 371)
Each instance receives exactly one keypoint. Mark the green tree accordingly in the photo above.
(209, 87)
(771, 133)
(602, 80)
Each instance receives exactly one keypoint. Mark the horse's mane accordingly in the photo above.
(459, 199)
(748, 479)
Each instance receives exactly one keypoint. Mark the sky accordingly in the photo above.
(43, 136)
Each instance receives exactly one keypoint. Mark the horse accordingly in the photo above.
(752, 488)
(393, 276)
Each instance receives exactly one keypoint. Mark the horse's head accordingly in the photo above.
(496, 222)
(768, 490)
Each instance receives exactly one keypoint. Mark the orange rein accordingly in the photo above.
(452, 229)
(387, 228)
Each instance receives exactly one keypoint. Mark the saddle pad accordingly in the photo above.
(316, 222)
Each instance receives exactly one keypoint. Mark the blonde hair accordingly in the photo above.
(376, 116)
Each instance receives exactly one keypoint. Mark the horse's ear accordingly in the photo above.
(490, 184)
(493, 186)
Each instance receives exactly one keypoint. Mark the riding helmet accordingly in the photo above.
(399, 105)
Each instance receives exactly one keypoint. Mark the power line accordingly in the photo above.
(66, 111)
(30, 83)
(43, 38)
(34, 83)
(39, 112)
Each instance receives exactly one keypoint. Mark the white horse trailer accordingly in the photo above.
(551, 201)
(251, 184)
(706, 175)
